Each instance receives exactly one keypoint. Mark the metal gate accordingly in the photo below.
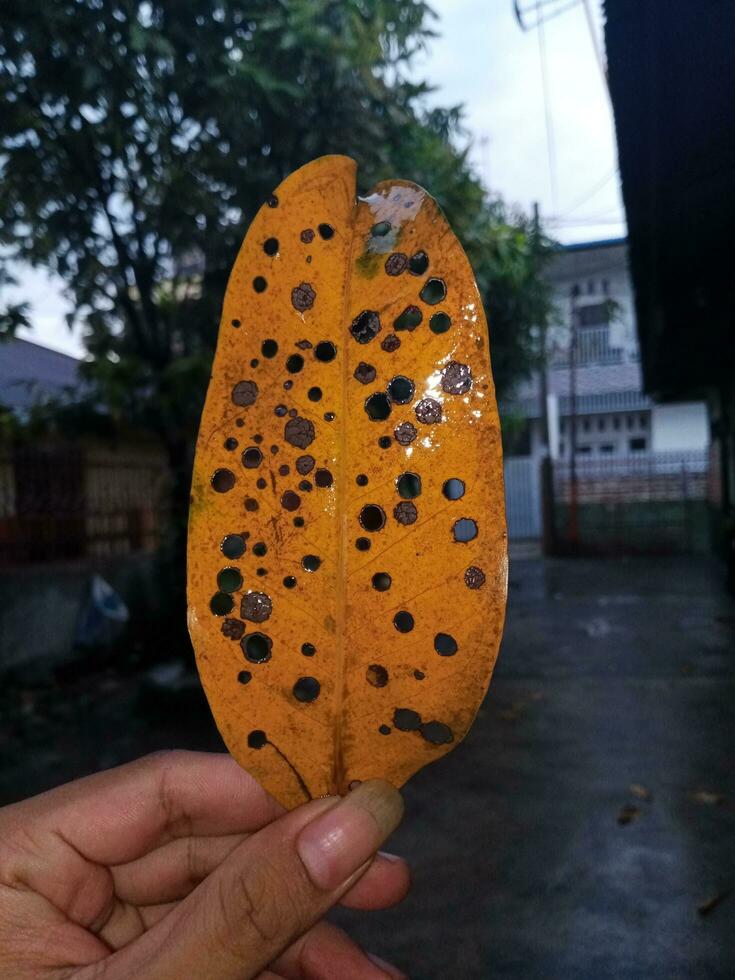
(522, 497)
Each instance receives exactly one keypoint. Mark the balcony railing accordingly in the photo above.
(593, 347)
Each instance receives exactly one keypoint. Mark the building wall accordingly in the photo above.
(680, 427)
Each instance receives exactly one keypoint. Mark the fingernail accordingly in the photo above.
(337, 843)
(393, 858)
(388, 968)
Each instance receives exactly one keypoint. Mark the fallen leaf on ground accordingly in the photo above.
(642, 792)
(628, 812)
(711, 904)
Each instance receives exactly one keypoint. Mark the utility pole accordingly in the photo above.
(573, 490)
(543, 326)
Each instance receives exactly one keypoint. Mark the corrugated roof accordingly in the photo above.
(30, 374)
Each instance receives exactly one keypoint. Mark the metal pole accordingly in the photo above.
(573, 491)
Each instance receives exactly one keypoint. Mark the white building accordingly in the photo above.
(614, 417)
(593, 379)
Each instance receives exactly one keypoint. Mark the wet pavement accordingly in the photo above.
(585, 829)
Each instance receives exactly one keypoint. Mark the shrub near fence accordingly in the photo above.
(70, 502)
(652, 503)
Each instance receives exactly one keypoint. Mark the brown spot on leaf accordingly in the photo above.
(456, 378)
(405, 433)
(391, 343)
(256, 607)
(365, 373)
(307, 236)
(299, 432)
(396, 263)
(305, 464)
(428, 411)
(405, 512)
(474, 577)
(233, 629)
(303, 296)
(244, 393)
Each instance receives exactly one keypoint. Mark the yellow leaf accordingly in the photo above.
(347, 545)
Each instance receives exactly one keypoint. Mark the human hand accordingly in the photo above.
(180, 867)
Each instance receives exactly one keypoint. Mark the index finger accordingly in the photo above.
(118, 815)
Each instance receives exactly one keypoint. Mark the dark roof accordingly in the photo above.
(672, 78)
(30, 374)
(590, 246)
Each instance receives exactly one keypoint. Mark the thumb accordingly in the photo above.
(268, 892)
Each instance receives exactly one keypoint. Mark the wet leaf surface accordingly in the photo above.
(348, 435)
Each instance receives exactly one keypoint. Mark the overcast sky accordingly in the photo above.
(482, 58)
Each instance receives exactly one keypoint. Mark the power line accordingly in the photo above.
(549, 120)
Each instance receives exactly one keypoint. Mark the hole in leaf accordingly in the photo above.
(269, 348)
(223, 480)
(260, 284)
(453, 489)
(257, 739)
(409, 485)
(257, 647)
(231, 444)
(377, 406)
(251, 505)
(440, 323)
(252, 458)
(381, 229)
(437, 733)
(401, 389)
(362, 544)
(310, 563)
(361, 480)
(294, 363)
(365, 326)
(326, 231)
(325, 351)
(290, 500)
(382, 581)
(418, 263)
(384, 442)
(445, 645)
(384, 729)
(244, 677)
(403, 621)
(419, 675)
(260, 549)
(372, 517)
(306, 689)
(465, 529)
(221, 603)
(289, 582)
(323, 478)
(433, 291)
(308, 649)
(406, 720)
(270, 246)
(409, 319)
(229, 579)
(233, 545)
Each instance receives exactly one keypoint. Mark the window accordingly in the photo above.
(607, 448)
(594, 315)
(586, 425)
(643, 421)
(605, 286)
(562, 426)
(584, 450)
(616, 423)
(629, 421)
(637, 445)
(601, 425)
(562, 448)
(590, 287)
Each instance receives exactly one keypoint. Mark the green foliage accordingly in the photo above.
(139, 139)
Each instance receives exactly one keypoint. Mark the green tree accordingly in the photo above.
(139, 138)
